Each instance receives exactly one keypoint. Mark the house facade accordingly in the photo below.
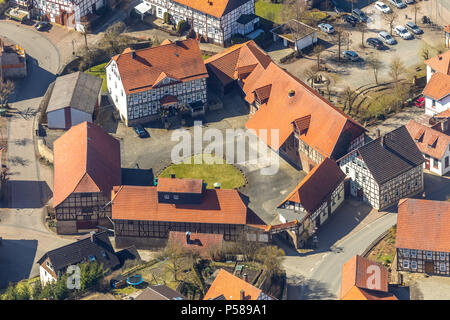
(216, 21)
(422, 240)
(316, 197)
(437, 90)
(385, 170)
(86, 167)
(434, 143)
(146, 83)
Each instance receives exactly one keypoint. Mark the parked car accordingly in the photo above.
(350, 55)
(42, 26)
(141, 132)
(374, 42)
(402, 32)
(387, 38)
(338, 9)
(409, 1)
(413, 27)
(420, 102)
(381, 6)
(325, 27)
(350, 19)
(357, 13)
(398, 3)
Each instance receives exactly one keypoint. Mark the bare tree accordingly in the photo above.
(272, 258)
(6, 89)
(362, 27)
(311, 74)
(375, 64)
(293, 9)
(318, 52)
(396, 69)
(174, 256)
(416, 10)
(425, 52)
(333, 79)
(391, 19)
(349, 95)
(339, 35)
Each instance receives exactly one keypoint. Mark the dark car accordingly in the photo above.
(374, 42)
(350, 19)
(338, 9)
(141, 132)
(42, 26)
(357, 13)
(413, 27)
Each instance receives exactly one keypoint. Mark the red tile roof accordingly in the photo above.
(318, 184)
(180, 60)
(180, 185)
(443, 114)
(440, 63)
(201, 243)
(86, 159)
(327, 122)
(362, 273)
(356, 293)
(429, 141)
(141, 203)
(230, 287)
(216, 8)
(438, 87)
(423, 225)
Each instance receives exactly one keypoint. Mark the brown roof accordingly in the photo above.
(200, 242)
(181, 60)
(230, 287)
(429, 141)
(302, 123)
(423, 225)
(443, 114)
(86, 159)
(320, 182)
(327, 124)
(356, 293)
(160, 292)
(216, 8)
(358, 272)
(438, 87)
(180, 185)
(141, 203)
(440, 63)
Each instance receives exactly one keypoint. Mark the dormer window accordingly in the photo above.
(176, 197)
(166, 196)
(92, 258)
(49, 265)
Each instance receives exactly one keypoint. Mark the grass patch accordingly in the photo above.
(99, 71)
(269, 11)
(206, 56)
(227, 175)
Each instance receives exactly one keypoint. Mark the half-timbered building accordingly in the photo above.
(144, 216)
(86, 167)
(422, 239)
(315, 198)
(385, 170)
(171, 76)
(214, 20)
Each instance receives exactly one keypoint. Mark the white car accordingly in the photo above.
(402, 32)
(381, 6)
(325, 27)
(386, 37)
(398, 3)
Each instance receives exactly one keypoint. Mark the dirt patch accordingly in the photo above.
(384, 251)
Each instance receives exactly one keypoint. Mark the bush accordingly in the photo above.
(166, 17)
(264, 39)
(237, 39)
(182, 26)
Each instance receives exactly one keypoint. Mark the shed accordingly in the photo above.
(74, 99)
(295, 34)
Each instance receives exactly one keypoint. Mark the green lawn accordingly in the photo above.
(227, 175)
(99, 71)
(269, 11)
(206, 56)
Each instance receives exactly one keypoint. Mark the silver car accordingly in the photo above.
(387, 38)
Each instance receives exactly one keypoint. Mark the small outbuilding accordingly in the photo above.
(74, 99)
(295, 34)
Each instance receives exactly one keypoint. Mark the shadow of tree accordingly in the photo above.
(19, 161)
(301, 288)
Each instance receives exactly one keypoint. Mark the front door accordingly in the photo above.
(359, 193)
(318, 221)
(427, 163)
(429, 267)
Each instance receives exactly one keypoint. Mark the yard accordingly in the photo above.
(210, 171)
(99, 71)
(269, 11)
(384, 251)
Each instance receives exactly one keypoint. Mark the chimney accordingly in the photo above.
(92, 236)
(188, 237)
(242, 294)
(444, 125)
(378, 133)
(291, 93)
(133, 54)
(245, 277)
(382, 140)
(172, 175)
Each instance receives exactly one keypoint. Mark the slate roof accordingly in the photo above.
(81, 250)
(391, 155)
(423, 225)
(246, 18)
(77, 90)
(160, 292)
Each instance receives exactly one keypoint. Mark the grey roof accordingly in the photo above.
(77, 90)
(246, 18)
(82, 250)
(160, 292)
(291, 215)
(391, 155)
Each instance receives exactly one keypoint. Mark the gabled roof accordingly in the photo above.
(321, 181)
(86, 159)
(440, 63)
(77, 90)
(230, 287)
(141, 203)
(423, 225)
(180, 60)
(215, 8)
(363, 274)
(391, 155)
(81, 251)
(160, 292)
(180, 185)
(438, 87)
(327, 125)
(201, 243)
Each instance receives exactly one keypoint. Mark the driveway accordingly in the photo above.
(25, 236)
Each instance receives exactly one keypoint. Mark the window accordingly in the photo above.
(405, 264)
(446, 162)
(166, 196)
(413, 253)
(188, 86)
(435, 163)
(92, 258)
(442, 255)
(49, 265)
(346, 170)
(414, 265)
(176, 197)
(442, 266)
(104, 254)
(385, 199)
(405, 252)
(429, 255)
